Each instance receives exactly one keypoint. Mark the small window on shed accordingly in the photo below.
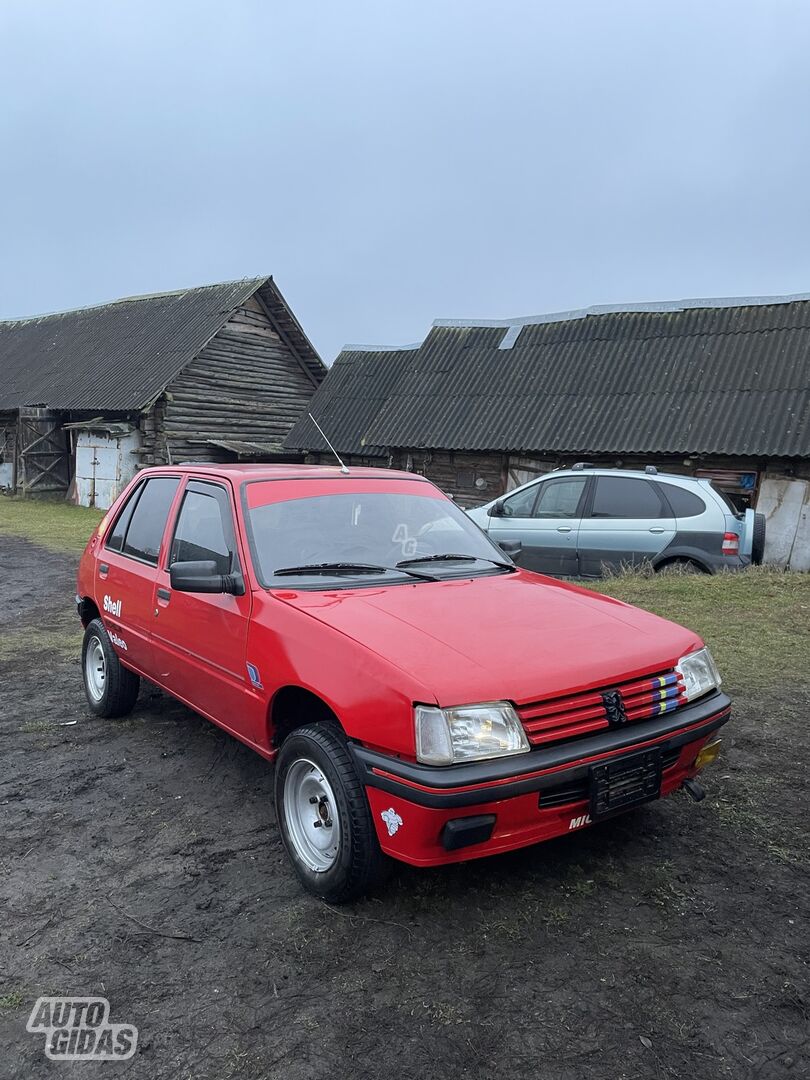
(684, 503)
(465, 478)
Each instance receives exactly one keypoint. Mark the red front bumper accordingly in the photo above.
(411, 810)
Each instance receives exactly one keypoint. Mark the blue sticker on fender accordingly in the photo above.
(253, 675)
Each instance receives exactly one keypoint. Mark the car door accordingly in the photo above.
(127, 566)
(200, 639)
(545, 518)
(626, 523)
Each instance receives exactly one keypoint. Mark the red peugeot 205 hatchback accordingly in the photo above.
(421, 696)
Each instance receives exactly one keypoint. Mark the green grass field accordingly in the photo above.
(757, 622)
(55, 524)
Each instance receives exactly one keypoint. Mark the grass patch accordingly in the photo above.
(62, 643)
(52, 523)
(757, 623)
(14, 1000)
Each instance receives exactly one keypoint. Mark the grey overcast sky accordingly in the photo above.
(396, 161)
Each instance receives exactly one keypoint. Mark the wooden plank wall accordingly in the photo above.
(245, 385)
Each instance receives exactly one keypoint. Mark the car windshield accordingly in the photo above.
(359, 538)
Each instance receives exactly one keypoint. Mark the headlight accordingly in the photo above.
(699, 673)
(468, 733)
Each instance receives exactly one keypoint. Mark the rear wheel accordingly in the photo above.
(324, 816)
(758, 540)
(111, 689)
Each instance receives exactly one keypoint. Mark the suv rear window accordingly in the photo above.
(684, 503)
(141, 524)
(626, 497)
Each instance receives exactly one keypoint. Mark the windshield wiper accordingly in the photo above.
(451, 557)
(351, 568)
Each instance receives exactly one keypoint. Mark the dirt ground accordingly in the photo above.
(141, 860)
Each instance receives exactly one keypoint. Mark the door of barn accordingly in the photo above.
(44, 459)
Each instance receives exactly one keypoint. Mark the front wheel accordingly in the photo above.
(111, 688)
(324, 816)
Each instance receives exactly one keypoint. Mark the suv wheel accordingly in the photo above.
(758, 540)
(111, 688)
(324, 816)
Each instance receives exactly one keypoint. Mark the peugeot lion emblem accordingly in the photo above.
(614, 707)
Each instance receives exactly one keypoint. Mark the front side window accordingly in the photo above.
(372, 535)
(521, 505)
(560, 498)
(626, 497)
(204, 528)
(147, 522)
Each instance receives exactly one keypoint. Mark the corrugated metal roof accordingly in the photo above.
(358, 385)
(119, 356)
(727, 380)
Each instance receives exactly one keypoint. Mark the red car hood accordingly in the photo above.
(517, 637)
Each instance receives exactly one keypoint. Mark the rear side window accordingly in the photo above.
(115, 540)
(626, 497)
(139, 530)
(684, 503)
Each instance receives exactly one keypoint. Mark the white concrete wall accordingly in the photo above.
(104, 465)
(786, 505)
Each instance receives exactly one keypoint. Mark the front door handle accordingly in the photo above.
(656, 529)
(563, 528)
(103, 568)
(164, 594)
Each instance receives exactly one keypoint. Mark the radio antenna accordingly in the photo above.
(343, 467)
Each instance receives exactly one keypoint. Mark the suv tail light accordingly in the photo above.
(731, 544)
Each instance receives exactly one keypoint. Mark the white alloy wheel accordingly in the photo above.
(95, 669)
(312, 816)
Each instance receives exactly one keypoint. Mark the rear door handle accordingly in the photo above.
(164, 594)
(656, 529)
(104, 568)
(563, 528)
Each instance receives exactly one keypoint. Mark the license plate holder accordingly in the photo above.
(624, 782)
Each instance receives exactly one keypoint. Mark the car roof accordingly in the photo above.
(239, 471)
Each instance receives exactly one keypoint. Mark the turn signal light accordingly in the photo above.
(731, 544)
(708, 754)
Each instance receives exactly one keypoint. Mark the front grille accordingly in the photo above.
(580, 714)
(576, 790)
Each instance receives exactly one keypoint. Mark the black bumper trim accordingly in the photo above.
(509, 775)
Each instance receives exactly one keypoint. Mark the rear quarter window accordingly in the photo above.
(684, 503)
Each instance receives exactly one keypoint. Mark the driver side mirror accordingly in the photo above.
(202, 577)
(497, 509)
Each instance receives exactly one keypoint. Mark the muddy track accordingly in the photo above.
(669, 943)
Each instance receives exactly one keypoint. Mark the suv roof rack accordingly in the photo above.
(582, 465)
(651, 469)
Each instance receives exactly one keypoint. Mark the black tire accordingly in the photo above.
(758, 540)
(359, 863)
(120, 685)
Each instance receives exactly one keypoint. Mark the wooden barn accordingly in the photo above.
(216, 373)
(713, 388)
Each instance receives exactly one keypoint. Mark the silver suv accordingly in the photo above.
(578, 522)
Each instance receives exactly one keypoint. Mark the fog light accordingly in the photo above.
(708, 754)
